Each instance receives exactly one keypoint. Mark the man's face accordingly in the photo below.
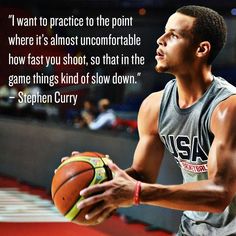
(176, 48)
(87, 106)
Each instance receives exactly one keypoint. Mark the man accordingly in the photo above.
(194, 118)
(105, 119)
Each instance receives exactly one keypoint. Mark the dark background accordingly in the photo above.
(148, 26)
(31, 146)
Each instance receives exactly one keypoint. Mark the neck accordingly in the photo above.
(191, 86)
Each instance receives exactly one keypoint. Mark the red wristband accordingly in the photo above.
(137, 192)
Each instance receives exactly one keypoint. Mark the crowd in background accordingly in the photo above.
(92, 114)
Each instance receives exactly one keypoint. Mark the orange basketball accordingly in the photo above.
(73, 175)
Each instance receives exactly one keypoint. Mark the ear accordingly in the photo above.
(203, 49)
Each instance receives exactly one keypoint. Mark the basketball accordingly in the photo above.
(73, 175)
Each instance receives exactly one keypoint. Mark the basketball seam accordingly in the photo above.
(80, 158)
(80, 196)
(108, 170)
(69, 180)
(77, 201)
(72, 212)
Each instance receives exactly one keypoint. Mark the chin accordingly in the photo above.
(161, 68)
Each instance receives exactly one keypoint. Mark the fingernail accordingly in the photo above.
(87, 217)
(81, 192)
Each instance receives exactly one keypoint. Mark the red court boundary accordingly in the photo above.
(114, 226)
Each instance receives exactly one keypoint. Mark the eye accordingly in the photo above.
(173, 35)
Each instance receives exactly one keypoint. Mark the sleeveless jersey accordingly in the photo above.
(186, 135)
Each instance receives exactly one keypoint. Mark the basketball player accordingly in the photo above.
(194, 118)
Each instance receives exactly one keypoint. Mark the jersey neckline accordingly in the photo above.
(199, 101)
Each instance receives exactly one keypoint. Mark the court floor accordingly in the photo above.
(29, 211)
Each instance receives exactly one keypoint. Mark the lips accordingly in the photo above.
(159, 54)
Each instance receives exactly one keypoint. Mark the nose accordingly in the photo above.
(161, 40)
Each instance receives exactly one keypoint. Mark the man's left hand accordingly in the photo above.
(109, 195)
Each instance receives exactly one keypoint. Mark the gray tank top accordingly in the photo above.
(187, 136)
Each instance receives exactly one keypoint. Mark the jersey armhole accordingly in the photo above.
(165, 92)
(160, 112)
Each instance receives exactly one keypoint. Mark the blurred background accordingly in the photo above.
(34, 138)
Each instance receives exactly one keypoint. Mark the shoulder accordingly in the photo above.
(226, 108)
(149, 113)
(152, 100)
(223, 117)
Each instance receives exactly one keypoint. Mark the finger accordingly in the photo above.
(100, 212)
(96, 211)
(74, 153)
(114, 168)
(64, 159)
(107, 213)
(98, 188)
(90, 201)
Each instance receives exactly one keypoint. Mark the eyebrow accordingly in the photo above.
(180, 32)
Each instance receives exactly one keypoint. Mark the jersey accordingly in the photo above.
(187, 136)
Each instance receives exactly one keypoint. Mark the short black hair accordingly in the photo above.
(209, 26)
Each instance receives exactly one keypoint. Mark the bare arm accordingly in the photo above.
(211, 195)
(145, 167)
(216, 193)
(149, 151)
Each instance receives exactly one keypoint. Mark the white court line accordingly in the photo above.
(17, 206)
